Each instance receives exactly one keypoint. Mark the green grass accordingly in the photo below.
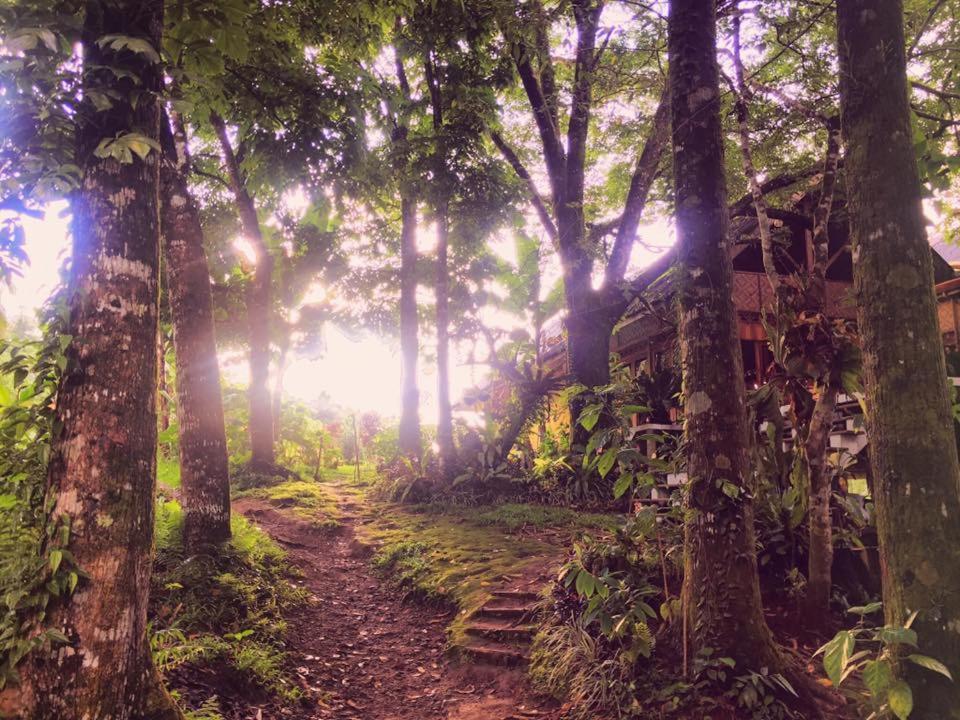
(306, 499)
(345, 476)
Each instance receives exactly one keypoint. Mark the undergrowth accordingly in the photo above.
(226, 611)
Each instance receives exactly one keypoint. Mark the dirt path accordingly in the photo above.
(362, 654)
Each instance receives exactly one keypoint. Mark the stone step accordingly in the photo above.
(510, 611)
(518, 595)
(501, 631)
(494, 654)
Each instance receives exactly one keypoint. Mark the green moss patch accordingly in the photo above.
(306, 499)
(457, 555)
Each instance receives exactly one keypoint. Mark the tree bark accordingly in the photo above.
(721, 585)
(444, 410)
(204, 473)
(102, 473)
(820, 552)
(278, 383)
(409, 440)
(259, 300)
(442, 217)
(409, 330)
(912, 448)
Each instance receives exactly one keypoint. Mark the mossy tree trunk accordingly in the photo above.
(916, 479)
(722, 587)
(204, 474)
(102, 473)
(259, 301)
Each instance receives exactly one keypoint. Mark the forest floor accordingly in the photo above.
(363, 653)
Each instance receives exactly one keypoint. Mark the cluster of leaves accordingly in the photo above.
(612, 450)
(36, 569)
(600, 621)
(873, 653)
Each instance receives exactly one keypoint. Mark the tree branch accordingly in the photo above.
(535, 198)
(640, 184)
(587, 16)
(759, 202)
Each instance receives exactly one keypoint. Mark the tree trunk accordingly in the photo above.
(444, 411)
(278, 384)
(204, 474)
(589, 333)
(258, 297)
(721, 584)
(409, 342)
(102, 473)
(820, 554)
(913, 453)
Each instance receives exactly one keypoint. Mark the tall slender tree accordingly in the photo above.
(913, 453)
(204, 474)
(259, 305)
(721, 585)
(410, 443)
(102, 473)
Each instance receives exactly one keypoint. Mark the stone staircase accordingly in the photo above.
(500, 632)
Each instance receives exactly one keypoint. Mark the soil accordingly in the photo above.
(361, 653)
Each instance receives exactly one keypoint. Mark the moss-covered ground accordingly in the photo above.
(458, 555)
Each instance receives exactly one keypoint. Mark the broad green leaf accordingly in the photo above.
(837, 655)
(607, 460)
(865, 609)
(622, 484)
(877, 676)
(900, 698)
(55, 557)
(930, 664)
(586, 583)
(890, 635)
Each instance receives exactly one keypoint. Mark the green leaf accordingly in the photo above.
(72, 579)
(622, 484)
(607, 460)
(730, 489)
(55, 557)
(628, 410)
(930, 664)
(891, 635)
(877, 675)
(7, 501)
(586, 583)
(135, 45)
(865, 609)
(590, 416)
(837, 654)
(900, 698)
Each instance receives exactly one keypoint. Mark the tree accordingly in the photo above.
(591, 313)
(204, 473)
(721, 586)
(259, 305)
(799, 330)
(102, 472)
(913, 455)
